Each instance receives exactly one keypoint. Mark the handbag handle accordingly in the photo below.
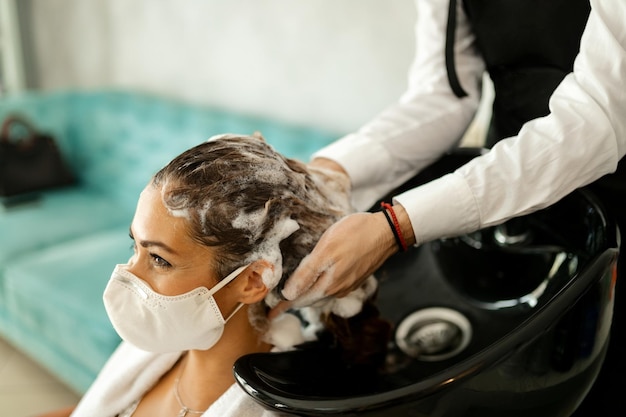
(11, 120)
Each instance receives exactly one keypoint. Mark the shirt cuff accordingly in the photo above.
(441, 208)
(366, 161)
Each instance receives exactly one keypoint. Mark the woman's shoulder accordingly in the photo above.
(126, 376)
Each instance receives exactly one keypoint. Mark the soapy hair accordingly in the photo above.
(248, 202)
(237, 193)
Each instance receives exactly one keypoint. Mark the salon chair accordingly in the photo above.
(511, 320)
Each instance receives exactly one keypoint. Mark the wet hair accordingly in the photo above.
(245, 200)
(236, 190)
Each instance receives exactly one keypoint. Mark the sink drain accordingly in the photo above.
(433, 334)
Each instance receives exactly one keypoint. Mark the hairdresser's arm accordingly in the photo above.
(582, 139)
(428, 120)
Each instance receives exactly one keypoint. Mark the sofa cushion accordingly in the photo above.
(55, 217)
(56, 294)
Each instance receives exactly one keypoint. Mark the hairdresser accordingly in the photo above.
(558, 123)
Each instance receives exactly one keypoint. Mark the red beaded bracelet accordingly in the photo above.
(395, 225)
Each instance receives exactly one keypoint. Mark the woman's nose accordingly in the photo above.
(133, 266)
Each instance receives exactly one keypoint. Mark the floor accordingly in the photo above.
(27, 390)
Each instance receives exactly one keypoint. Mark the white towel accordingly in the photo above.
(130, 373)
(236, 403)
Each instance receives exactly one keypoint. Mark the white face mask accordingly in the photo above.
(160, 323)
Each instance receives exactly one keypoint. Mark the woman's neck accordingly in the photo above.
(206, 374)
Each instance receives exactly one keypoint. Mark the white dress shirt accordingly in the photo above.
(582, 139)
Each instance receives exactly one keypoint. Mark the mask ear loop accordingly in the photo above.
(234, 312)
(228, 279)
(225, 282)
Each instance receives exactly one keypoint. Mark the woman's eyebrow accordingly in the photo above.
(150, 243)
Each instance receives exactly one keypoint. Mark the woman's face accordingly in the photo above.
(165, 256)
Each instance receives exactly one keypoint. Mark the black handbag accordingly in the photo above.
(30, 161)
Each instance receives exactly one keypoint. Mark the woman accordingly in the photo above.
(214, 232)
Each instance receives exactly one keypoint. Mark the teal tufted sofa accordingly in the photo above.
(57, 251)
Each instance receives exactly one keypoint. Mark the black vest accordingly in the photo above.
(528, 46)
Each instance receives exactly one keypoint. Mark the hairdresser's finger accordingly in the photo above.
(319, 290)
(302, 279)
(344, 292)
(279, 309)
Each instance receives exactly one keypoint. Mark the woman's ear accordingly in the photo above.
(253, 288)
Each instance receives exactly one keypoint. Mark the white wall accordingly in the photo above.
(327, 63)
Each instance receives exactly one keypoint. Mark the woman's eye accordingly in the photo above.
(133, 244)
(160, 262)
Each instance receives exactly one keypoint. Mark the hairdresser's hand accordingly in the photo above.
(347, 253)
(333, 181)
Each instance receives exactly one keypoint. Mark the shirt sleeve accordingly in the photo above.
(581, 140)
(426, 121)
